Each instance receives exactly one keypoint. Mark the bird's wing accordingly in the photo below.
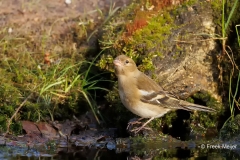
(167, 100)
(162, 99)
(151, 92)
(145, 83)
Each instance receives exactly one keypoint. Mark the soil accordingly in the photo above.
(35, 15)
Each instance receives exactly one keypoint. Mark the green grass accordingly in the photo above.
(57, 84)
(232, 95)
(225, 27)
(43, 88)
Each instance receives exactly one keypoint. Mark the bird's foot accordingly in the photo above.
(136, 130)
(133, 122)
(142, 127)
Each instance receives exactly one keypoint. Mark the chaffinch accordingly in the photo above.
(144, 97)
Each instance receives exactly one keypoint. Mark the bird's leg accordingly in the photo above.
(138, 129)
(134, 122)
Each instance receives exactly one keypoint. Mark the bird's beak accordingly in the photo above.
(117, 62)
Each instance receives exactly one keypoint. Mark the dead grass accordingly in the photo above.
(39, 40)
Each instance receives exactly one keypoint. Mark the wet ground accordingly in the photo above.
(102, 145)
(152, 150)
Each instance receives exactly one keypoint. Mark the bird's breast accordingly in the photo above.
(131, 99)
(146, 110)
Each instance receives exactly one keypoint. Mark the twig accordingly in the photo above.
(232, 59)
(199, 40)
(17, 110)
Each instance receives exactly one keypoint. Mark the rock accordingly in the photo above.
(174, 46)
(189, 64)
(181, 55)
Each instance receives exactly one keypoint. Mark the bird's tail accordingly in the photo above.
(190, 106)
(170, 101)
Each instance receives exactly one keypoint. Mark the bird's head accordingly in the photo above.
(124, 66)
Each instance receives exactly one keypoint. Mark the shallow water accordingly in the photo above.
(112, 155)
(135, 152)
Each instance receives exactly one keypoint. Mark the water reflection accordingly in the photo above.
(134, 154)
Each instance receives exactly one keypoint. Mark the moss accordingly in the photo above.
(3, 124)
(136, 32)
(140, 42)
(217, 14)
(140, 35)
(231, 130)
(159, 123)
(205, 99)
(197, 121)
(56, 88)
(143, 42)
(120, 116)
(150, 38)
(200, 121)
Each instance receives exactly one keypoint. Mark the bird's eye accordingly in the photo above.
(126, 61)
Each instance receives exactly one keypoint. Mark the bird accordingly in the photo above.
(143, 96)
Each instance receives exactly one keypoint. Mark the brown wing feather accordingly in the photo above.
(163, 99)
(147, 84)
